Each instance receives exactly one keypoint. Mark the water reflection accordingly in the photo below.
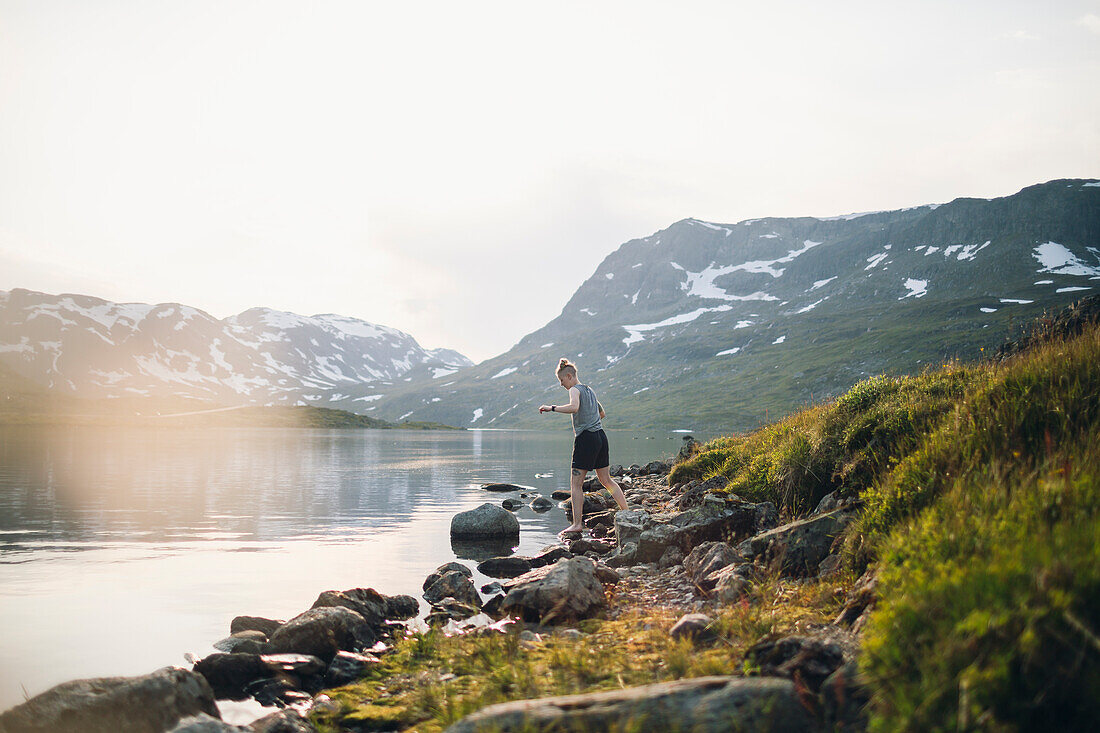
(121, 549)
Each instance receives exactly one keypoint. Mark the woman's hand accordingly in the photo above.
(544, 408)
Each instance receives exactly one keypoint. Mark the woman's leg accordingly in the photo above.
(576, 495)
(604, 475)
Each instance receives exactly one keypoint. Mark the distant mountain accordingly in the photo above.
(705, 325)
(88, 347)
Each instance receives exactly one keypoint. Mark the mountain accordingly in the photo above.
(705, 325)
(92, 348)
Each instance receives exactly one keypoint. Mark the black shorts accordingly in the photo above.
(590, 450)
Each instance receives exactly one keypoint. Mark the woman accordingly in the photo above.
(589, 444)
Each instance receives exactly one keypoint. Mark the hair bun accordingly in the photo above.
(563, 363)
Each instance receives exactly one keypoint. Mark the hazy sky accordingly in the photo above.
(457, 169)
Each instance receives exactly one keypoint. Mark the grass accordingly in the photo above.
(432, 680)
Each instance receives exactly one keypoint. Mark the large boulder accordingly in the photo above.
(151, 703)
(322, 632)
(565, 591)
(700, 705)
(373, 606)
(798, 547)
(488, 521)
(456, 585)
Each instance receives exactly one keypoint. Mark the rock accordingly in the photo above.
(367, 602)
(512, 504)
(689, 448)
(446, 568)
(700, 705)
(502, 487)
(450, 609)
(730, 583)
(828, 503)
(230, 675)
(254, 623)
(798, 547)
(203, 723)
(708, 558)
(594, 503)
(565, 591)
(616, 470)
(673, 556)
(456, 585)
(830, 566)
(696, 626)
(491, 588)
(151, 703)
(811, 659)
(299, 671)
(694, 493)
(657, 467)
(401, 608)
(606, 575)
(542, 504)
(347, 667)
(630, 524)
(485, 522)
(505, 567)
(492, 606)
(244, 642)
(284, 721)
(599, 519)
(844, 699)
(550, 556)
(559, 494)
(322, 632)
(623, 556)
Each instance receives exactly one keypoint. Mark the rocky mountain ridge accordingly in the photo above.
(704, 324)
(89, 347)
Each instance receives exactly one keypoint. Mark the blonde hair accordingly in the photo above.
(567, 367)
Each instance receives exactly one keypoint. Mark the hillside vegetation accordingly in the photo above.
(981, 507)
(978, 494)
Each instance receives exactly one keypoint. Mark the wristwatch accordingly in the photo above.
(553, 408)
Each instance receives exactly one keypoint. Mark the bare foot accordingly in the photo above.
(573, 529)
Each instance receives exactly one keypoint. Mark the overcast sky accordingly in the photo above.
(457, 169)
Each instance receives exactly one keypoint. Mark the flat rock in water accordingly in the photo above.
(503, 487)
(542, 504)
(505, 567)
(512, 504)
(700, 705)
(151, 703)
(485, 522)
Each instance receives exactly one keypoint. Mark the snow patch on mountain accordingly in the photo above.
(916, 288)
(1059, 260)
(635, 331)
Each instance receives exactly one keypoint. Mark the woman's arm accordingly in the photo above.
(602, 414)
(569, 409)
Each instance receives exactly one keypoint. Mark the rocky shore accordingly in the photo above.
(674, 560)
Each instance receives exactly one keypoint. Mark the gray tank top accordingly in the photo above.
(587, 416)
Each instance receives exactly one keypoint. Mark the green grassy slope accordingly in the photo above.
(981, 506)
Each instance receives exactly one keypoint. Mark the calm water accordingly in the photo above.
(122, 549)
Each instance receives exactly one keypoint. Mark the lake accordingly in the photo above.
(121, 549)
